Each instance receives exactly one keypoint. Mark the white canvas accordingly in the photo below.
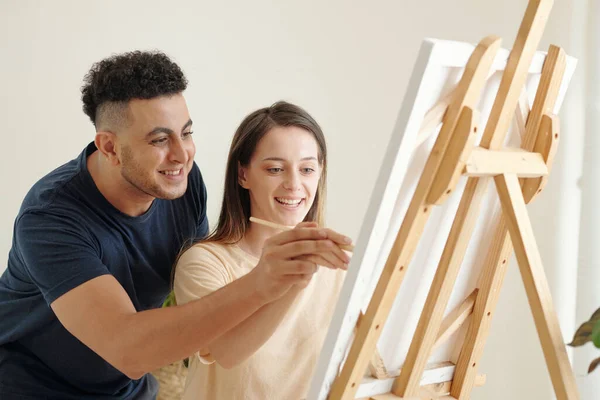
(436, 72)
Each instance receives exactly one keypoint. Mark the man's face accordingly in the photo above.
(156, 149)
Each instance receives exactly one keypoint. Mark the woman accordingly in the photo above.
(276, 171)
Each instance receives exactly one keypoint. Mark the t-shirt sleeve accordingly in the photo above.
(198, 273)
(202, 229)
(57, 252)
(201, 196)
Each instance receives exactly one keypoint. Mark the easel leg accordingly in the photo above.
(494, 268)
(490, 282)
(407, 384)
(536, 286)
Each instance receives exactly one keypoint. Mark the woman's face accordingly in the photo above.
(283, 175)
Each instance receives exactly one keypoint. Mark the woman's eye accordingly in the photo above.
(307, 170)
(274, 170)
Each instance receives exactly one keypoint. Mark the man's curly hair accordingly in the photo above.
(131, 75)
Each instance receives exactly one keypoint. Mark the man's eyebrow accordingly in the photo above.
(187, 125)
(159, 129)
(162, 129)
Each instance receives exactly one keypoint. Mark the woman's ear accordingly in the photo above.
(242, 179)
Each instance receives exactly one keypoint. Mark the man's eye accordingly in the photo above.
(274, 170)
(186, 134)
(159, 141)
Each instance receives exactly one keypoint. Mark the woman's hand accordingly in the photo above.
(292, 257)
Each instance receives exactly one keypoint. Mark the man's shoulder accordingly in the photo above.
(56, 186)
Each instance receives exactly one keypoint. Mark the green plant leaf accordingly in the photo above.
(596, 334)
(593, 365)
(583, 334)
(170, 300)
(595, 316)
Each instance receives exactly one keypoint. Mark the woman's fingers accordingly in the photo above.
(335, 255)
(297, 234)
(298, 267)
(337, 237)
(305, 231)
(307, 243)
(323, 260)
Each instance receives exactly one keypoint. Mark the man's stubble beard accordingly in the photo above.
(137, 177)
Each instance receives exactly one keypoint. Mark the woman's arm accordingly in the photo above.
(199, 272)
(245, 339)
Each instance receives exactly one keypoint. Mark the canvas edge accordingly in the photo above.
(344, 318)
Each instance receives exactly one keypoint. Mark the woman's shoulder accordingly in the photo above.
(226, 253)
(207, 250)
(215, 256)
(210, 246)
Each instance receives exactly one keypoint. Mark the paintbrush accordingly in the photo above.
(347, 247)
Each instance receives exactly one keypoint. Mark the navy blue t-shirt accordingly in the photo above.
(65, 234)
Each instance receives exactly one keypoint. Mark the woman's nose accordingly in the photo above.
(292, 182)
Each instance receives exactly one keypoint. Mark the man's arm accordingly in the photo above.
(101, 315)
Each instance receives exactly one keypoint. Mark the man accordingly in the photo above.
(95, 240)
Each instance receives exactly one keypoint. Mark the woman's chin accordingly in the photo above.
(289, 220)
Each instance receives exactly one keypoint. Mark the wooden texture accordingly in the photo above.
(496, 261)
(471, 84)
(524, 164)
(546, 145)
(536, 286)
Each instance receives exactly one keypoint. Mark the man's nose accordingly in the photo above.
(179, 152)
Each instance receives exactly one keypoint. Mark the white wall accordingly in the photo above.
(347, 63)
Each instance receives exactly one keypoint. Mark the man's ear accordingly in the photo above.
(242, 176)
(106, 142)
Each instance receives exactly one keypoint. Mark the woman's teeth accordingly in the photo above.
(288, 202)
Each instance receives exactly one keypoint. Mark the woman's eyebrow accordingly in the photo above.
(311, 158)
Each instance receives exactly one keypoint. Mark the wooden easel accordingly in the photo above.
(519, 175)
